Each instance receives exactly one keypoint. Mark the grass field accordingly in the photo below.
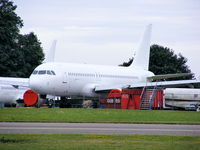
(98, 115)
(97, 142)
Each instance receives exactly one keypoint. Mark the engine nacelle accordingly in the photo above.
(30, 98)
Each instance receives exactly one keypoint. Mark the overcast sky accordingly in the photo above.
(107, 31)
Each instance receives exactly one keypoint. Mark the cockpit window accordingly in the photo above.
(49, 72)
(35, 72)
(42, 72)
(53, 72)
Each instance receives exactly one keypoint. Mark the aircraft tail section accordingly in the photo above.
(51, 53)
(141, 58)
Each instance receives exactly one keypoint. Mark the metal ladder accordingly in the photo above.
(147, 98)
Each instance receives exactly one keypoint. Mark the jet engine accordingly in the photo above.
(30, 98)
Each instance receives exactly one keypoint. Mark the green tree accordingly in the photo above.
(9, 22)
(164, 61)
(31, 54)
(19, 54)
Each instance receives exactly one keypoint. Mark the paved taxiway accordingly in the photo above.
(99, 128)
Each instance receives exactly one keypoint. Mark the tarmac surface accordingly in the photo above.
(99, 128)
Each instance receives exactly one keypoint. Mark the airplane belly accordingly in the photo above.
(75, 87)
(81, 86)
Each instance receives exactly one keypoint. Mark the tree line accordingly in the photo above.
(19, 54)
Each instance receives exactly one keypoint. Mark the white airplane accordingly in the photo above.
(13, 89)
(68, 79)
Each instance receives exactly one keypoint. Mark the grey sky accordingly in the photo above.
(107, 31)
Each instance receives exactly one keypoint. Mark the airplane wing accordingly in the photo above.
(167, 76)
(15, 82)
(177, 83)
(101, 88)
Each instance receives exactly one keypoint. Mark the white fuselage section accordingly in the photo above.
(10, 94)
(67, 79)
(181, 97)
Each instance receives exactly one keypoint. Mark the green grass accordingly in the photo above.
(97, 142)
(98, 115)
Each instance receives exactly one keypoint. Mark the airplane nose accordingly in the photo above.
(39, 84)
(34, 83)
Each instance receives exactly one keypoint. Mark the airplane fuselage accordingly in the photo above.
(10, 94)
(67, 79)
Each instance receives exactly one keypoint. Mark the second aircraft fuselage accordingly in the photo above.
(67, 79)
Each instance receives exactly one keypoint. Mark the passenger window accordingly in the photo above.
(42, 72)
(35, 72)
(53, 72)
